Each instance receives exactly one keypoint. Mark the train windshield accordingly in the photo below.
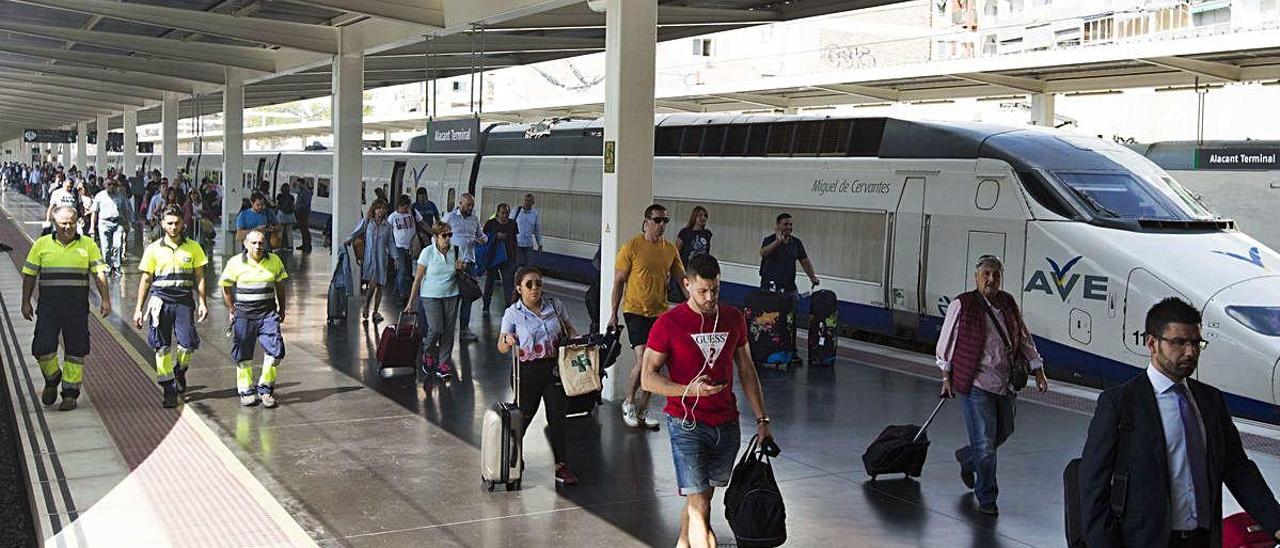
(1139, 191)
(1263, 319)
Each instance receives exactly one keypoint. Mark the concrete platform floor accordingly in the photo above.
(362, 461)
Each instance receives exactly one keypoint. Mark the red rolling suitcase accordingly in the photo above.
(1240, 530)
(398, 347)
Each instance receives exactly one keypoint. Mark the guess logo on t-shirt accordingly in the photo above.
(711, 344)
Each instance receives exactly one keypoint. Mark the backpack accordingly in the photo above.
(752, 503)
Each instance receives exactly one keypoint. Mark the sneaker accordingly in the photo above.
(170, 395)
(629, 415)
(966, 476)
(564, 476)
(377, 318)
(989, 509)
(443, 371)
(49, 395)
(428, 365)
(249, 399)
(268, 400)
(68, 403)
(180, 380)
(649, 422)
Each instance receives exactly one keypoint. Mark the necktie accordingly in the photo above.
(1197, 455)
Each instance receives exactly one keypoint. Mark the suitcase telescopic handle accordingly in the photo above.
(929, 420)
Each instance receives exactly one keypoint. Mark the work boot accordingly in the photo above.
(49, 395)
(265, 394)
(170, 394)
(69, 400)
(180, 380)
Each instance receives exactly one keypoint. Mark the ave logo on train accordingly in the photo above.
(1060, 281)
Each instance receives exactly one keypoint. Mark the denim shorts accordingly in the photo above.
(703, 456)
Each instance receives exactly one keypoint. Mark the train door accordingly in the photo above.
(907, 253)
(397, 181)
(1142, 291)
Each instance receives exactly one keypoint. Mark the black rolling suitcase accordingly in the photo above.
(823, 321)
(502, 439)
(900, 449)
(771, 327)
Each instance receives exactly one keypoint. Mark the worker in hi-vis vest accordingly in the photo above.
(172, 268)
(253, 290)
(62, 263)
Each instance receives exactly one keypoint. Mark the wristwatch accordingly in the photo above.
(763, 420)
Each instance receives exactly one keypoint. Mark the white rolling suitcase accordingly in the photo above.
(501, 439)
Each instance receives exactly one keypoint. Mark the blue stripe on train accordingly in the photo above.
(880, 320)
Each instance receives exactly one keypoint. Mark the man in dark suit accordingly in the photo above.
(1165, 443)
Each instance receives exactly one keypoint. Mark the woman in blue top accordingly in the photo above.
(535, 326)
(379, 247)
(436, 284)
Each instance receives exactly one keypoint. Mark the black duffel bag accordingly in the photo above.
(752, 503)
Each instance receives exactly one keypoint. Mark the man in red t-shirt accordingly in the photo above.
(699, 344)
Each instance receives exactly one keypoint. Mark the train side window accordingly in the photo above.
(666, 141)
(808, 138)
(451, 199)
(781, 139)
(322, 188)
(835, 138)
(758, 139)
(713, 141)
(1040, 191)
(692, 142)
(364, 185)
(735, 140)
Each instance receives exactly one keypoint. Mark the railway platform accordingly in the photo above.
(351, 459)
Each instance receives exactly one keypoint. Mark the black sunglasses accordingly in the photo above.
(447, 234)
(660, 220)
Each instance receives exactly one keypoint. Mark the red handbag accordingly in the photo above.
(1242, 531)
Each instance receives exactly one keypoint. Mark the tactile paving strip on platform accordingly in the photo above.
(199, 501)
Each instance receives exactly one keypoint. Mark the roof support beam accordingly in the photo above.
(61, 109)
(1027, 85)
(417, 63)
(23, 96)
(683, 106)
(427, 14)
(312, 38)
(1208, 69)
(118, 90)
(11, 116)
(189, 70)
(235, 56)
(754, 99)
(500, 43)
(579, 16)
(867, 92)
(92, 74)
(69, 93)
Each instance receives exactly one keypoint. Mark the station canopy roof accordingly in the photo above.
(68, 61)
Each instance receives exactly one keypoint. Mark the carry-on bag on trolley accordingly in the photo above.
(339, 289)
(900, 449)
(771, 327)
(398, 347)
(823, 320)
(501, 438)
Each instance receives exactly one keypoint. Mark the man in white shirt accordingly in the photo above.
(529, 231)
(110, 213)
(404, 226)
(466, 234)
(63, 194)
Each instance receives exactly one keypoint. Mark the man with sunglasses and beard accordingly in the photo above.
(644, 266)
(1166, 444)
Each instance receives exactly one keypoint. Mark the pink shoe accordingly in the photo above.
(443, 371)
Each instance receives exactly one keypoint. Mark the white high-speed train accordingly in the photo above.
(894, 214)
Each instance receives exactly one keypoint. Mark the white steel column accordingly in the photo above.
(1042, 109)
(130, 163)
(82, 146)
(169, 135)
(348, 130)
(100, 149)
(630, 44)
(232, 152)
